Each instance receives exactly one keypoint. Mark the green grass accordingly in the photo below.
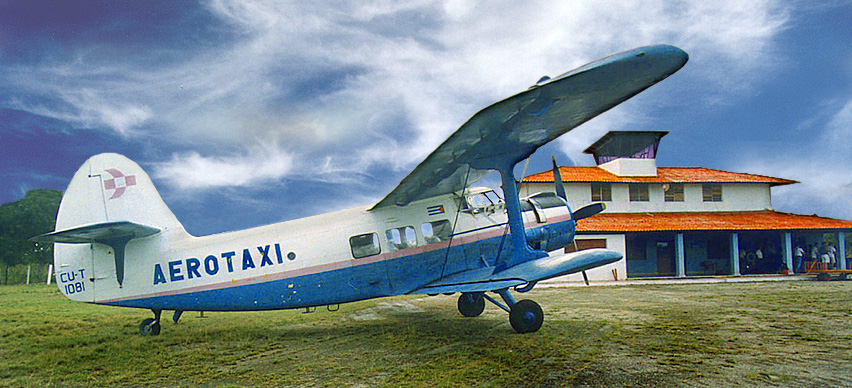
(719, 334)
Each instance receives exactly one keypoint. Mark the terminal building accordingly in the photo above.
(683, 221)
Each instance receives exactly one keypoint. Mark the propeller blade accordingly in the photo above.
(589, 210)
(557, 180)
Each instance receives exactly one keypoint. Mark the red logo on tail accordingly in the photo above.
(119, 182)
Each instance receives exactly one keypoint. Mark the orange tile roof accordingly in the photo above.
(664, 175)
(721, 221)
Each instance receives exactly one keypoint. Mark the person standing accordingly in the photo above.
(798, 253)
(832, 255)
(823, 253)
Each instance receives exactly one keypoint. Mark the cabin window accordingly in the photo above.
(639, 193)
(712, 192)
(364, 245)
(436, 231)
(674, 192)
(401, 238)
(601, 192)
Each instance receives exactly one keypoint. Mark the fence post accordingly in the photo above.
(49, 273)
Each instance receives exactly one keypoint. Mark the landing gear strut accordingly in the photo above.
(151, 326)
(525, 316)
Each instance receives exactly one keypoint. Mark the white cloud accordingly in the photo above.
(840, 125)
(820, 162)
(380, 84)
(81, 107)
(191, 171)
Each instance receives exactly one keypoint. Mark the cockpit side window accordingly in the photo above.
(493, 197)
(482, 201)
(479, 200)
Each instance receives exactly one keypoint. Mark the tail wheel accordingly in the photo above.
(471, 304)
(149, 326)
(526, 316)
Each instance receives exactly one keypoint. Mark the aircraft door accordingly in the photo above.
(103, 271)
(369, 276)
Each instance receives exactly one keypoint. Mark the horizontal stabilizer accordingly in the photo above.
(104, 233)
(483, 279)
(115, 234)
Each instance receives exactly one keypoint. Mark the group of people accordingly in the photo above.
(823, 253)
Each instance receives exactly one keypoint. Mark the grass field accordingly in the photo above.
(732, 334)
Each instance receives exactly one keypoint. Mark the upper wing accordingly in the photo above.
(512, 129)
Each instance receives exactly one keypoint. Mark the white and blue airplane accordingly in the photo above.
(118, 244)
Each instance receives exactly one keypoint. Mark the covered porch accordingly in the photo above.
(720, 243)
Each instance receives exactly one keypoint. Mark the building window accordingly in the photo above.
(601, 192)
(639, 193)
(583, 244)
(674, 192)
(712, 192)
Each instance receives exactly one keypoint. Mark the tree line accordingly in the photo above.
(21, 220)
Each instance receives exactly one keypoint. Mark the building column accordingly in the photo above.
(841, 250)
(787, 248)
(735, 254)
(680, 262)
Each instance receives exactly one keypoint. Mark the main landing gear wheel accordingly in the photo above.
(471, 304)
(149, 326)
(526, 316)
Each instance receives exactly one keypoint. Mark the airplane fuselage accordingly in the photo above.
(328, 259)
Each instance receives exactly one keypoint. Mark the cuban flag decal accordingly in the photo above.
(435, 210)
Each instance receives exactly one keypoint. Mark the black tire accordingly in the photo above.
(526, 316)
(822, 276)
(149, 326)
(471, 304)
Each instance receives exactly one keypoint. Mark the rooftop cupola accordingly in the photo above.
(627, 153)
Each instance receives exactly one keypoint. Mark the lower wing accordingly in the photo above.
(484, 279)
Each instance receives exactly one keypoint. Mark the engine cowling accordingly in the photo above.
(555, 225)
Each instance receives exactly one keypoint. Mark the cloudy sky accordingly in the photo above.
(247, 113)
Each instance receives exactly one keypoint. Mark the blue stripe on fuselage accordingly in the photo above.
(344, 285)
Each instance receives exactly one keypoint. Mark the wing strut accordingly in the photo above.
(520, 251)
(453, 232)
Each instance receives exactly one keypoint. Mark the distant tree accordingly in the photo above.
(31, 216)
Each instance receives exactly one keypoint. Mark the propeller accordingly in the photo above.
(589, 210)
(583, 212)
(557, 180)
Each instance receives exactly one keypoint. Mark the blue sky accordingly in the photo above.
(247, 113)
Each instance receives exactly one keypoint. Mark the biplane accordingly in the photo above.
(118, 244)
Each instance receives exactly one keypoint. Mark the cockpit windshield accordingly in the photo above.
(481, 198)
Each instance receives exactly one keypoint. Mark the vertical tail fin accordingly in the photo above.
(110, 202)
(111, 188)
